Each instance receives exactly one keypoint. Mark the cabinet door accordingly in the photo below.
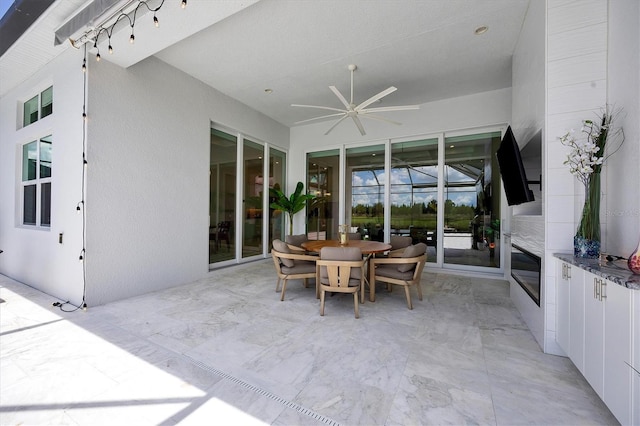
(617, 350)
(593, 334)
(576, 318)
(563, 307)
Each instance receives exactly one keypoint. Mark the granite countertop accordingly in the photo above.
(616, 271)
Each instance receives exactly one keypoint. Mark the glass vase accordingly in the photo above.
(634, 260)
(586, 243)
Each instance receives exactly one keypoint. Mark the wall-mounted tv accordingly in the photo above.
(514, 177)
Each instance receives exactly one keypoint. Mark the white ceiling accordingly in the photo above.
(297, 48)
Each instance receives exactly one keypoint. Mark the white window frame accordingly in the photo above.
(38, 182)
(39, 107)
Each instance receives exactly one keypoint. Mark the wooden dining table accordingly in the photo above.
(367, 247)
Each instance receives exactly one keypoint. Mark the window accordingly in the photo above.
(38, 107)
(36, 182)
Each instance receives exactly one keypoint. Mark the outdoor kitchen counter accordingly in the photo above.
(615, 271)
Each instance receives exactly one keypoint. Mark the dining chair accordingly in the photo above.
(354, 235)
(290, 265)
(405, 270)
(295, 242)
(398, 244)
(222, 234)
(340, 270)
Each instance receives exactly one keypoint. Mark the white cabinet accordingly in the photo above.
(594, 332)
(618, 375)
(562, 306)
(570, 312)
(598, 326)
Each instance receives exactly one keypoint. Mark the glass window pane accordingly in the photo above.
(323, 178)
(29, 205)
(29, 161)
(30, 111)
(222, 196)
(45, 204)
(414, 192)
(254, 186)
(45, 157)
(46, 102)
(277, 179)
(365, 198)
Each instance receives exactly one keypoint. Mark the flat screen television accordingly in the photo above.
(514, 177)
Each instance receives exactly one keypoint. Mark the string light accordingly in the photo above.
(95, 33)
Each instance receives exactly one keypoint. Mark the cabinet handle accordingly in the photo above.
(564, 271)
(603, 289)
(596, 289)
(568, 271)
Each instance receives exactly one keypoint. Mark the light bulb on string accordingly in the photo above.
(81, 257)
(98, 57)
(184, 4)
(155, 20)
(132, 39)
(84, 65)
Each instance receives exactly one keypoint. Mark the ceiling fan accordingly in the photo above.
(356, 111)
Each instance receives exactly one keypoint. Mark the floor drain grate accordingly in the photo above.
(285, 402)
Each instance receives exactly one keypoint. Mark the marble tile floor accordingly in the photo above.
(226, 350)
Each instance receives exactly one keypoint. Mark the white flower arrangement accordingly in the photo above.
(587, 154)
(585, 160)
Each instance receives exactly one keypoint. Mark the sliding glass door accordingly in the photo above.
(222, 199)
(442, 190)
(253, 198)
(365, 190)
(241, 184)
(414, 192)
(471, 211)
(323, 181)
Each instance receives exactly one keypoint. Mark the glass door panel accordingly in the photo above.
(222, 196)
(471, 201)
(253, 195)
(414, 192)
(323, 180)
(277, 179)
(365, 190)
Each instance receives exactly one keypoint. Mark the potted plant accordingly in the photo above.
(292, 204)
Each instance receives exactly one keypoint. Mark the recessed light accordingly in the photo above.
(481, 30)
(451, 146)
(268, 91)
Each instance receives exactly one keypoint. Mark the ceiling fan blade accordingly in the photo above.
(389, 108)
(339, 95)
(320, 118)
(375, 98)
(375, 117)
(359, 124)
(318, 107)
(335, 124)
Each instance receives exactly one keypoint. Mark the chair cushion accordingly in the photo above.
(390, 271)
(282, 247)
(399, 241)
(341, 253)
(412, 251)
(296, 240)
(301, 267)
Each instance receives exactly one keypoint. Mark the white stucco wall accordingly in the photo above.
(482, 109)
(34, 256)
(622, 204)
(529, 117)
(148, 180)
